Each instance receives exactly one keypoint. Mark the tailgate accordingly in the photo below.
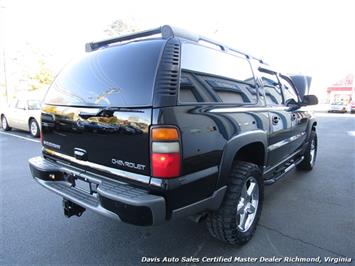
(118, 141)
(120, 77)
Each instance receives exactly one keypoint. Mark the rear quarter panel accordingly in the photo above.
(205, 131)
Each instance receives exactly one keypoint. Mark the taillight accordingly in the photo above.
(165, 152)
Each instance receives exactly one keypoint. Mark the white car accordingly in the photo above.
(339, 107)
(22, 114)
(352, 107)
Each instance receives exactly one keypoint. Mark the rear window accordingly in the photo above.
(116, 76)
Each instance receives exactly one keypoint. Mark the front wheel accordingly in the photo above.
(236, 220)
(34, 128)
(310, 154)
(4, 124)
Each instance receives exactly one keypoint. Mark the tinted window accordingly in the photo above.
(230, 91)
(196, 87)
(120, 76)
(288, 90)
(273, 94)
(223, 77)
(210, 61)
(188, 90)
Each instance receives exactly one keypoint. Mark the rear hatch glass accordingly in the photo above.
(117, 76)
(119, 80)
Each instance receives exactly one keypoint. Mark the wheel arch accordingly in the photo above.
(311, 127)
(29, 121)
(314, 125)
(250, 147)
(253, 153)
(3, 115)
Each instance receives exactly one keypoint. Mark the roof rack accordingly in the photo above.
(166, 32)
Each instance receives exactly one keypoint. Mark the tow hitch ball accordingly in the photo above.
(70, 209)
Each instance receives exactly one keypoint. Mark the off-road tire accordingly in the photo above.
(222, 223)
(308, 162)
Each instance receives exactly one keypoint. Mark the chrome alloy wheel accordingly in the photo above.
(248, 204)
(33, 128)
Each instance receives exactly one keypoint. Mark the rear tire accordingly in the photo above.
(310, 154)
(4, 124)
(236, 220)
(34, 128)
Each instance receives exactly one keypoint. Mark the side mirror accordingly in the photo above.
(309, 100)
(302, 84)
(292, 105)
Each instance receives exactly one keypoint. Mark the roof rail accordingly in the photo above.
(166, 32)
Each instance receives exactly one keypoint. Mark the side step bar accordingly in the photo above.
(284, 172)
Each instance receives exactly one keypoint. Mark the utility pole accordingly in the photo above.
(5, 76)
(2, 9)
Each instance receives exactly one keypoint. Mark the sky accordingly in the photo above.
(297, 36)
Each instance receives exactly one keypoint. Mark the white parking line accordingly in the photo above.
(20, 137)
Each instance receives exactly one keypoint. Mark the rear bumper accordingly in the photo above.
(113, 199)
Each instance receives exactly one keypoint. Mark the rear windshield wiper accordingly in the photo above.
(107, 112)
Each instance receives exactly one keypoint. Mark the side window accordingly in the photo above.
(230, 91)
(34, 105)
(221, 77)
(21, 104)
(288, 90)
(188, 91)
(273, 94)
(210, 61)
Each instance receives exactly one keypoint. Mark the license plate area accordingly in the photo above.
(85, 185)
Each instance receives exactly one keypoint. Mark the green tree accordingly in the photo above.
(42, 78)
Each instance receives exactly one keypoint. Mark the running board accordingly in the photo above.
(284, 172)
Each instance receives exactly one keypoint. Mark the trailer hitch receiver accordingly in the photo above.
(71, 208)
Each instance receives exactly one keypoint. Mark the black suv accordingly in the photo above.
(162, 124)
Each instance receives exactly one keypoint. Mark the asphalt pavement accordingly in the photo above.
(306, 214)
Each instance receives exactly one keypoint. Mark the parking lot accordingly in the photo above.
(305, 214)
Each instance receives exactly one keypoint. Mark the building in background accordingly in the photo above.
(342, 91)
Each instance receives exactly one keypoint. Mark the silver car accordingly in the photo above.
(22, 114)
(339, 107)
